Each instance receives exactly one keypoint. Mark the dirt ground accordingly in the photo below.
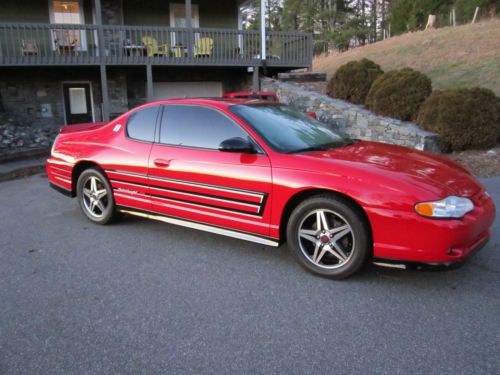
(482, 163)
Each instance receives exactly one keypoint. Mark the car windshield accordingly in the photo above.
(287, 130)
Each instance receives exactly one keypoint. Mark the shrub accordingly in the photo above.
(464, 118)
(353, 80)
(399, 94)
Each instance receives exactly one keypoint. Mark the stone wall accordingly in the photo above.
(34, 96)
(310, 81)
(117, 91)
(352, 120)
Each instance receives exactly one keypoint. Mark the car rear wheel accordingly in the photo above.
(95, 196)
(329, 236)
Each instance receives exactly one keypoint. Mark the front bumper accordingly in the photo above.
(459, 261)
(408, 237)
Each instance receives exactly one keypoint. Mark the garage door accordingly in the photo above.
(165, 90)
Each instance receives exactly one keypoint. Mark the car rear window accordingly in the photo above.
(142, 123)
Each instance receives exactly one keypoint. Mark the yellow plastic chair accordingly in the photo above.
(203, 47)
(152, 47)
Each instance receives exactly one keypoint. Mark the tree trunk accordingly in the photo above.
(431, 22)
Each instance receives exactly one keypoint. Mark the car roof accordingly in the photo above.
(215, 102)
(244, 93)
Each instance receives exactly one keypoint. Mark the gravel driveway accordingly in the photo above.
(146, 297)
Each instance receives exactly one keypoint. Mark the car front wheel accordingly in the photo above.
(329, 236)
(95, 196)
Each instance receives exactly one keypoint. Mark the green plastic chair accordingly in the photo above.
(152, 47)
(203, 47)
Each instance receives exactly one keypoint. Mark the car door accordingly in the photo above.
(190, 178)
(128, 164)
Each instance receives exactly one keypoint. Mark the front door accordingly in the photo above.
(77, 103)
(190, 178)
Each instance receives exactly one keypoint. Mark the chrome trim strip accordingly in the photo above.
(136, 197)
(60, 169)
(127, 173)
(62, 179)
(56, 174)
(205, 228)
(208, 186)
(390, 265)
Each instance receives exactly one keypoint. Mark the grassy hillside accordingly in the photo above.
(463, 56)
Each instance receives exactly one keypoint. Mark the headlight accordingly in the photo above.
(450, 207)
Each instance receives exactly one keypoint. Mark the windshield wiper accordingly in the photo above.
(307, 149)
(325, 147)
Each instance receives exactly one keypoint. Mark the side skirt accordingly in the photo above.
(61, 189)
(200, 226)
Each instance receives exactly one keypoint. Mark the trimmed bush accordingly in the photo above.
(399, 94)
(353, 80)
(464, 118)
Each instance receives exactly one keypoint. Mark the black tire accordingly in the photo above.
(339, 257)
(98, 215)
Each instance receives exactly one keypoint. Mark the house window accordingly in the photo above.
(178, 19)
(77, 101)
(68, 12)
(178, 15)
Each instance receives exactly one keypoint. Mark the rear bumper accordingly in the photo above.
(59, 174)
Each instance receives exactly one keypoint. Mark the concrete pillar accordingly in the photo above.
(189, 26)
(255, 79)
(149, 83)
(104, 93)
(102, 56)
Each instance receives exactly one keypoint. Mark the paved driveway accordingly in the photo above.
(145, 297)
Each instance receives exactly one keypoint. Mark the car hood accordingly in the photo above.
(425, 170)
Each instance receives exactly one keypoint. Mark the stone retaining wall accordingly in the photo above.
(352, 120)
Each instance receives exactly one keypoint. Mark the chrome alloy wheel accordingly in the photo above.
(326, 239)
(95, 197)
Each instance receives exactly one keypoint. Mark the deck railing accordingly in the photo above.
(48, 44)
(63, 44)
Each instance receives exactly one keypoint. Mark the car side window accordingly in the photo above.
(141, 124)
(196, 126)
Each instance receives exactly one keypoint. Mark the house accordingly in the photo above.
(71, 61)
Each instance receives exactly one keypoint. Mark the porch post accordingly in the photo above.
(255, 79)
(104, 93)
(149, 82)
(189, 26)
(102, 62)
(263, 30)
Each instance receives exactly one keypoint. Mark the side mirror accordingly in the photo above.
(238, 145)
(312, 114)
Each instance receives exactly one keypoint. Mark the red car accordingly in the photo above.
(264, 172)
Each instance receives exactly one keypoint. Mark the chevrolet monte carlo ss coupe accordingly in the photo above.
(264, 172)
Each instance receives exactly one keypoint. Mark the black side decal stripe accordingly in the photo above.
(259, 207)
(229, 200)
(226, 209)
(215, 187)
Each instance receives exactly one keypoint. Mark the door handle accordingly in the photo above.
(162, 163)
